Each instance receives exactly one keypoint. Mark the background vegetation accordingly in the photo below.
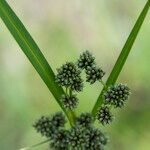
(63, 29)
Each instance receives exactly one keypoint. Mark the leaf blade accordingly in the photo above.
(32, 51)
(123, 56)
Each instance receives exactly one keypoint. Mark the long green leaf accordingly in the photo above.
(32, 51)
(123, 56)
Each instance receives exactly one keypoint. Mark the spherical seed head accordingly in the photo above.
(77, 84)
(69, 76)
(97, 139)
(85, 119)
(60, 140)
(44, 126)
(94, 74)
(104, 115)
(69, 102)
(117, 95)
(86, 59)
(58, 120)
(77, 138)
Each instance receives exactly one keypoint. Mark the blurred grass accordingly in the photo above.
(73, 26)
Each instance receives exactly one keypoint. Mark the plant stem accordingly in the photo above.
(122, 57)
(33, 146)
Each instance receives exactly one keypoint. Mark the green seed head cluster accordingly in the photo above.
(69, 76)
(58, 119)
(86, 138)
(117, 95)
(69, 101)
(82, 135)
(94, 74)
(44, 126)
(77, 138)
(86, 60)
(104, 115)
(47, 126)
(97, 140)
(60, 140)
(85, 119)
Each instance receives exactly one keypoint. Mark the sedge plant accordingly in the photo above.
(65, 85)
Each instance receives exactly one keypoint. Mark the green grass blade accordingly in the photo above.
(32, 51)
(123, 55)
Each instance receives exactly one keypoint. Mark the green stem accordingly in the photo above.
(122, 57)
(36, 145)
(70, 92)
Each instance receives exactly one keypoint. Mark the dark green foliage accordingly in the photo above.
(69, 101)
(60, 140)
(104, 115)
(85, 119)
(117, 95)
(69, 76)
(94, 74)
(86, 60)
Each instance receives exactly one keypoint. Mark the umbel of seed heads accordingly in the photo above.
(82, 136)
(69, 77)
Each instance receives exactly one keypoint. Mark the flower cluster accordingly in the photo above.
(47, 126)
(60, 140)
(94, 74)
(58, 119)
(85, 119)
(104, 115)
(96, 139)
(69, 77)
(87, 62)
(69, 101)
(82, 136)
(117, 95)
